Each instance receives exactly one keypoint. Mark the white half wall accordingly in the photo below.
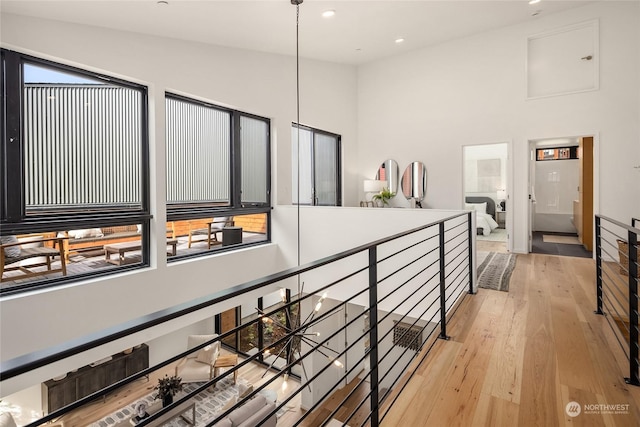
(327, 231)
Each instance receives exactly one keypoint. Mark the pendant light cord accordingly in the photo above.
(297, 3)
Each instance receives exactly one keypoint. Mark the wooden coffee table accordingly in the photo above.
(122, 248)
(226, 361)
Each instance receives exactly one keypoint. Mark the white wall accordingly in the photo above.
(254, 82)
(425, 105)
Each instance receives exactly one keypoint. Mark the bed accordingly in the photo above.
(485, 208)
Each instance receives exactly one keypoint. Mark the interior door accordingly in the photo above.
(532, 191)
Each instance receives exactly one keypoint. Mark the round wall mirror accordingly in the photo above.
(388, 172)
(414, 181)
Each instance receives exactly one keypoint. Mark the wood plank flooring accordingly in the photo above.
(515, 358)
(518, 358)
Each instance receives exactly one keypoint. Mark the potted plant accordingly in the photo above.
(168, 387)
(384, 196)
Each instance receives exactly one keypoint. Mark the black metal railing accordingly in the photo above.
(617, 285)
(388, 303)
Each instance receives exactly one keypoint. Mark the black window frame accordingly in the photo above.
(13, 216)
(314, 132)
(197, 210)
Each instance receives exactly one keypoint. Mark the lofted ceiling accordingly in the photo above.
(361, 30)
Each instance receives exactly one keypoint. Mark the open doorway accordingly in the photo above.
(561, 196)
(486, 170)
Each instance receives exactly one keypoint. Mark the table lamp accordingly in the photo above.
(502, 196)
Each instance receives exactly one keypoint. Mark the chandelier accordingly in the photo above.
(299, 332)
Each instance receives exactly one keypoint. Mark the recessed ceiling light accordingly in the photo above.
(163, 3)
(399, 40)
(534, 1)
(328, 13)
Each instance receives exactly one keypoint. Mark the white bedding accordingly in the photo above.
(486, 222)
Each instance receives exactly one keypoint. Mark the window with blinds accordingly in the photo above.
(315, 167)
(198, 141)
(218, 176)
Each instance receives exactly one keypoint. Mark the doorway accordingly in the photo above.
(486, 181)
(561, 195)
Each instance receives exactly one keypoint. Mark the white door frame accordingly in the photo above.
(596, 175)
(508, 185)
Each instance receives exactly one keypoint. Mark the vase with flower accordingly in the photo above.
(168, 387)
(384, 196)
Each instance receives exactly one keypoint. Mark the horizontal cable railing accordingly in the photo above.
(359, 318)
(617, 285)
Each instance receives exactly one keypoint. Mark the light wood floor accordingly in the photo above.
(514, 359)
(518, 358)
(488, 246)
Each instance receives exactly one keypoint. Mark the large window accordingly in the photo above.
(218, 176)
(316, 167)
(198, 154)
(74, 171)
(267, 333)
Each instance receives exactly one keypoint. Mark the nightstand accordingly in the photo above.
(501, 218)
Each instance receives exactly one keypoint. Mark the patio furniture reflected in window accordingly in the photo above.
(209, 229)
(30, 254)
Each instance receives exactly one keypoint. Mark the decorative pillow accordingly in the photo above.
(205, 355)
(12, 251)
(83, 234)
(228, 405)
(480, 207)
(244, 389)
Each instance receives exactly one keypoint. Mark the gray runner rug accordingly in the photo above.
(495, 271)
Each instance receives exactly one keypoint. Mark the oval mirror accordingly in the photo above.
(414, 181)
(388, 172)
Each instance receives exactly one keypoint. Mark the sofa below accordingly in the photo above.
(250, 414)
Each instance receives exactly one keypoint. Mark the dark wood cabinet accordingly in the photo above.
(89, 379)
(61, 393)
(138, 361)
(118, 369)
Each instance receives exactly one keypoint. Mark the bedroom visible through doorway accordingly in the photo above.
(485, 181)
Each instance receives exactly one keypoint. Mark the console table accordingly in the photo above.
(89, 379)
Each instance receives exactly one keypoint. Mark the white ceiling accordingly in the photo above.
(361, 30)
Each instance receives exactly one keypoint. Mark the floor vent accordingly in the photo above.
(407, 336)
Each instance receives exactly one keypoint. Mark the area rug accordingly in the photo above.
(495, 270)
(565, 240)
(207, 404)
(497, 235)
